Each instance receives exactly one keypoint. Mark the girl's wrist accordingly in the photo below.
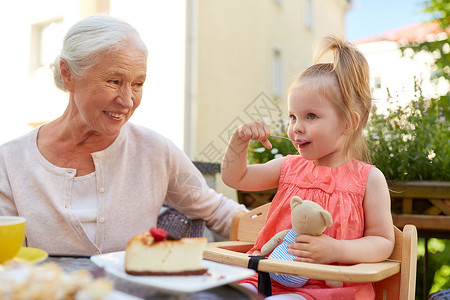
(236, 139)
(338, 248)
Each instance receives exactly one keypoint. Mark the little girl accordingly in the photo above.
(328, 107)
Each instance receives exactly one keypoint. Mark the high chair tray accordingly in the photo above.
(233, 253)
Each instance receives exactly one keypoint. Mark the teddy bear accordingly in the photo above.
(307, 217)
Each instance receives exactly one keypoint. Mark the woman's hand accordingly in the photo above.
(320, 249)
(257, 131)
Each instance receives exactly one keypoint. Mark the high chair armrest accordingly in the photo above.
(238, 246)
(233, 253)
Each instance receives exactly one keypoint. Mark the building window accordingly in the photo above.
(309, 14)
(277, 73)
(46, 40)
(377, 82)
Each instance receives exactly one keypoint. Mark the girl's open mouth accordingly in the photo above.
(301, 143)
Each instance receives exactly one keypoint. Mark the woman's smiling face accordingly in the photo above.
(315, 126)
(107, 94)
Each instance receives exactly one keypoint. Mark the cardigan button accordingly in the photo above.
(101, 190)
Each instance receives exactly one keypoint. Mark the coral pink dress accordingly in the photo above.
(340, 191)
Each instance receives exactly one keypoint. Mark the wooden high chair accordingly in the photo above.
(394, 278)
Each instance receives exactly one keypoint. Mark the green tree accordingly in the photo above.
(439, 10)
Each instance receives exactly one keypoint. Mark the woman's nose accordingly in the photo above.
(125, 97)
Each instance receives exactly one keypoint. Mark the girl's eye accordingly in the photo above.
(311, 116)
(292, 118)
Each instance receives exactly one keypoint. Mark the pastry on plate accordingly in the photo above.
(153, 253)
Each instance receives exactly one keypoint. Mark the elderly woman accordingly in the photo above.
(90, 180)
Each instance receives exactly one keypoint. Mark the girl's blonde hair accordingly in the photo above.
(350, 70)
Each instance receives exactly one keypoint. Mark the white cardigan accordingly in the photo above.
(134, 176)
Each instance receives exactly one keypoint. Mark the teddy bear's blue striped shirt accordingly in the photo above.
(280, 252)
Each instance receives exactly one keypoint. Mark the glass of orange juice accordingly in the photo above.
(12, 235)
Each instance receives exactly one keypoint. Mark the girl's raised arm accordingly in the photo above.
(236, 173)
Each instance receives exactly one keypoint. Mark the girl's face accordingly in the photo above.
(107, 95)
(315, 126)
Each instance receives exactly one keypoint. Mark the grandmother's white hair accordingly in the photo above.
(93, 36)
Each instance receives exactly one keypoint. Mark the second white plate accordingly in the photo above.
(217, 275)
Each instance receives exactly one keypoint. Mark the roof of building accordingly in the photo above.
(416, 32)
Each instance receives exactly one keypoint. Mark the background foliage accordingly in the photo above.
(438, 260)
(411, 142)
(436, 133)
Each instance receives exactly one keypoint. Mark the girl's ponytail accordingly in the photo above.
(352, 73)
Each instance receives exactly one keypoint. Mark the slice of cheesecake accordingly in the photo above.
(146, 255)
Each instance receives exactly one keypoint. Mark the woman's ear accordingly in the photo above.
(66, 74)
(349, 128)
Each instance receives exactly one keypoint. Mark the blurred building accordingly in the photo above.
(391, 71)
(243, 53)
(213, 64)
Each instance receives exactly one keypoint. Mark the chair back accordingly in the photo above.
(246, 226)
(179, 225)
(401, 285)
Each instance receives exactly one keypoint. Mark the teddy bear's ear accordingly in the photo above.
(327, 218)
(296, 200)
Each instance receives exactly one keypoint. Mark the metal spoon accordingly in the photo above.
(283, 137)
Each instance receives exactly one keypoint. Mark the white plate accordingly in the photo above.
(217, 275)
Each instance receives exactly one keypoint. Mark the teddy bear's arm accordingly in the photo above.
(273, 242)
